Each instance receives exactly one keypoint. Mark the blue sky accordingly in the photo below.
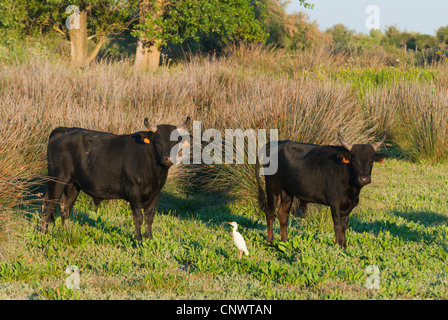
(411, 15)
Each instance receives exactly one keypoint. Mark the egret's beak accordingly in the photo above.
(229, 223)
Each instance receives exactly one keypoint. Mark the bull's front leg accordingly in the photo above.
(48, 209)
(344, 221)
(51, 199)
(138, 220)
(338, 222)
(149, 216)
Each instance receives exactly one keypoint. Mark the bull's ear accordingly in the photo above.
(344, 157)
(380, 157)
(144, 137)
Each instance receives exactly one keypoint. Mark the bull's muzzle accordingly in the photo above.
(363, 180)
(166, 161)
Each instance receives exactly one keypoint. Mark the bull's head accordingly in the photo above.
(361, 158)
(160, 138)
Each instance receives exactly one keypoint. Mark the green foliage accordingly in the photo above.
(59, 293)
(342, 36)
(364, 79)
(17, 271)
(174, 21)
(442, 35)
(292, 31)
(13, 15)
(105, 17)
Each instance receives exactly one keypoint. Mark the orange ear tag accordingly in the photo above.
(146, 140)
(345, 160)
(381, 161)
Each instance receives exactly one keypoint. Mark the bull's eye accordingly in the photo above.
(371, 163)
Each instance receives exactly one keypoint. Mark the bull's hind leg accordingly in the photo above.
(283, 214)
(303, 208)
(54, 192)
(69, 196)
(97, 203)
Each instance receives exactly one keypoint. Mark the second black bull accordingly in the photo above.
(328, 175)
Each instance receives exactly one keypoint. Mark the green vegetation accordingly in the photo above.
(174, 27)
(400, 226)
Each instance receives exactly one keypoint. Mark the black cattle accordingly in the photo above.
(133, 167)
(328, 175)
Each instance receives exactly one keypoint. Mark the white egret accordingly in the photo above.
(239, 240)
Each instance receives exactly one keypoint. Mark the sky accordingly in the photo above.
(410, 15)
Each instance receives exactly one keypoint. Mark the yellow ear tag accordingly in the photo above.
(146, 140)
(345, 160)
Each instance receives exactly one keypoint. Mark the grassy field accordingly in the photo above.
(400, 225)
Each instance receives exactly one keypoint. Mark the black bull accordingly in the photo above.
(133, 167)
(328, 175)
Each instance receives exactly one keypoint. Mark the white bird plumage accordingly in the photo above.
(239, 240)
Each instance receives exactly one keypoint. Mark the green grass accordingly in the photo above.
(401, 226)
(371, 77)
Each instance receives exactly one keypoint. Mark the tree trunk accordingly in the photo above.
(147, 55)
(78, 40)
(97, 48)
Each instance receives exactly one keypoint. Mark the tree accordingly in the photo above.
(286, 30)
(307, 34)
(78, 21)
(91, 20)
(161, 21)
(342, 36)
(442, 35)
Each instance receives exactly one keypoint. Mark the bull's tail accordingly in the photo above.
(262, 203)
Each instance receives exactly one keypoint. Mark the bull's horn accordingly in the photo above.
(151, 127)
(344, 143)
(378, 144)
(182, 126)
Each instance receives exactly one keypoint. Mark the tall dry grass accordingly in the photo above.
(247, 87)
(417, 117)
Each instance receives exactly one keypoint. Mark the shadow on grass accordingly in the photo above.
(210, 209)
(404, 231)
(425, 218)
(207, 208)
